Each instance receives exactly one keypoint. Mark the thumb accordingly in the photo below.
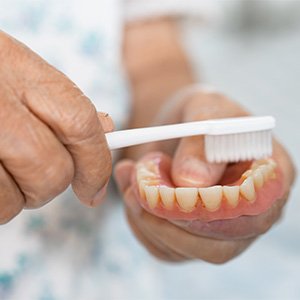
(190, 167)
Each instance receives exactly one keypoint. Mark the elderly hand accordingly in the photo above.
(50, 134)
(175, 227)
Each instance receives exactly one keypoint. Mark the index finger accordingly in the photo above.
(74, 120)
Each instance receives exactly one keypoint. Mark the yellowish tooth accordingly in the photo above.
(187, 198)
(267, 168)
(142, 184)
(271, 171)
(152, 195)
(151, 166)
(143, 173)
(232, 194)
(247, 174)
(265, 172)
(167, 196)
(247, 189)
(272, 163)
(258, 178)
(256, 164)
(211, 197)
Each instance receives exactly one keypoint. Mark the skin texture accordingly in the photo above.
(50, 132)
(174, 241)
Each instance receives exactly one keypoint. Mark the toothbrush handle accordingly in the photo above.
(131, 137)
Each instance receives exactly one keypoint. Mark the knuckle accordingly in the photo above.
(81, 123)
(59, 173)
(204, 105)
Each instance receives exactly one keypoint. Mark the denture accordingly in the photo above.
(252, 193)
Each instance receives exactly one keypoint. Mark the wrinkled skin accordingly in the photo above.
(216, 241)
(50, 134)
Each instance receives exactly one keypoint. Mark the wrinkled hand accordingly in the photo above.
(216, 241)
(50, 134)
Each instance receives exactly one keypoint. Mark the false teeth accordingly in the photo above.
(211, 197)
(232, 195)
(167, 196)
(247, 189)
(187, 198)
(152, 195)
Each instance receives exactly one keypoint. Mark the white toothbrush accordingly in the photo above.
(226, 140)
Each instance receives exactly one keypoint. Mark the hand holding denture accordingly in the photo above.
(182, 207)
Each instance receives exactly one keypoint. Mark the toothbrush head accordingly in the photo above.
(239, 139)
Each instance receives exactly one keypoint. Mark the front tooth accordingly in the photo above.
(152, 196)
(232, 194)
(211, 197)
(247, 189)
(187, 198)
(258, 178)
(167, 196)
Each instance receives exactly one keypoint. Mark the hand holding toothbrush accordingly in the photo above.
(50, 134)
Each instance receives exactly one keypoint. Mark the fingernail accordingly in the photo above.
(106, 121)
(98, 198)
(103, 114)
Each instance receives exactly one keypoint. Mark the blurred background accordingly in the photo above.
(251, 52)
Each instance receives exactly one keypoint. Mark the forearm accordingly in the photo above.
(157, 66)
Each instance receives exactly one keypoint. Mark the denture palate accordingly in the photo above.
(157, 192)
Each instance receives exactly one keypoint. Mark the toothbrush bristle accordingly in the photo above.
(238, 147)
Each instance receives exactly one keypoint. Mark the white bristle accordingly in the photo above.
(239, 146)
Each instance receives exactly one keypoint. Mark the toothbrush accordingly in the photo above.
(226, 140)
